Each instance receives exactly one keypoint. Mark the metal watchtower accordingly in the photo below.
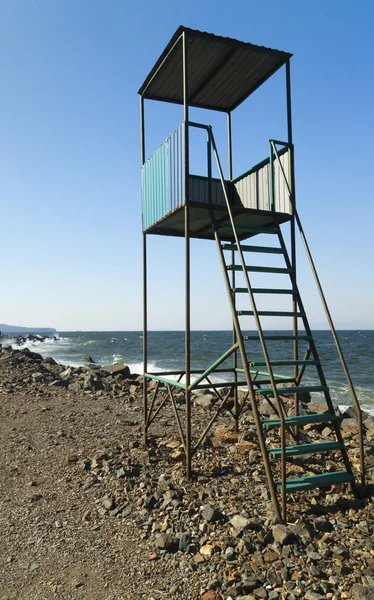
(203, 70)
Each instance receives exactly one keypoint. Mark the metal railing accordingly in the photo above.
(273, 148)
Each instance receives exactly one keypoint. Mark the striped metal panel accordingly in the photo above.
(176, 170)
(163, 180)
(253, 189)
(199, 190)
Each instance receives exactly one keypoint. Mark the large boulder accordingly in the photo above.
(117, 369)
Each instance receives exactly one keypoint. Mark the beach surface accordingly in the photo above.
(87, 511)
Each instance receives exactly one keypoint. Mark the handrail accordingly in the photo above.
(329, 319)
(265, 353)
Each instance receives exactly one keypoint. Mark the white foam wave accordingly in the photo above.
(154, 368)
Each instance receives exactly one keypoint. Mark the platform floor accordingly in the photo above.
(201, 222)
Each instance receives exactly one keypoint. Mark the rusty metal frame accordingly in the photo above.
(203, 381)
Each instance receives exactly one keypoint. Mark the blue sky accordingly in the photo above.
(70, 159)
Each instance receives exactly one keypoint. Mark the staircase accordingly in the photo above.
(275, 386)
(272, 388)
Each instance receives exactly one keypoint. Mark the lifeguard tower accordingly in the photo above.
(202, 70)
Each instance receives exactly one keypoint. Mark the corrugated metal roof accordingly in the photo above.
(222, 72)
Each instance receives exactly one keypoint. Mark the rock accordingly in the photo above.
(211, 595)
(168, 542)
(260, 593)
(211, 514)
(117, 369)
(37, 377)
(283, 535)
(313, 555)
(361, 592)
(58, 383)
(108, 503)
(239, 523)
(32, 355)
(184, 542)
(67, 373)
(207, 550)
(88, 359)
(205, 400)
(318, 407)
(313, 596)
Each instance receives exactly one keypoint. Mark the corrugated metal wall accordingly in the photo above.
(163, 180)
(199, 190)
(163, 184)
(253, 189)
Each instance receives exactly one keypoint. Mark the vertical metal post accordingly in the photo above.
(145, 326)
(209, 165)
(293, 229)
(229, 144)
(187, 261)
(234, 338)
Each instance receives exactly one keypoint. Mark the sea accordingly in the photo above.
(166, 353)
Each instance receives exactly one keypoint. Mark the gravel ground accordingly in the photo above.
(86, 511)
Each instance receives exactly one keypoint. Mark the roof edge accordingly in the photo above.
(203, 34)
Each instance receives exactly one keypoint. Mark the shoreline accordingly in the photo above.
(89, 512)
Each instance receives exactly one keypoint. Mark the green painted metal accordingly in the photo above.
(257, 167)
(165, 380)
(271, 179)
(216, 364)
(278, 337)
(306, 449)
(242, 290)
(255, 372)
(198, 125)
(300, 420)
(271, 291)
(270, 313)
(209, 157)
(247, 229)
(262, 249)
(259, 269)
(294, 390)
(316, 481)
(279, 143)
(283, 363)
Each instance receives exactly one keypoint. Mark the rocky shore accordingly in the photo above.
(87, 511)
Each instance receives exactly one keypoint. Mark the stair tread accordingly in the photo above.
(283, 363)
(306, 448)
(277, 337)
(300, 420)
(259, 269)
(270, 313)
(315, 481)
(293, 389)
(246, 248)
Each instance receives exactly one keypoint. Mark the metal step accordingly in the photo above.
(243, 290)
(283, 363)
(267, 338)
(300, 420)
(316, 481)
(306, 449)
(293, 390)
(259, 269)
(245, 248)
(269, 313)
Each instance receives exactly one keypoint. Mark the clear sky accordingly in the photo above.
(70, 159)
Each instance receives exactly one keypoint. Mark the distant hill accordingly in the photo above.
(19, 329)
